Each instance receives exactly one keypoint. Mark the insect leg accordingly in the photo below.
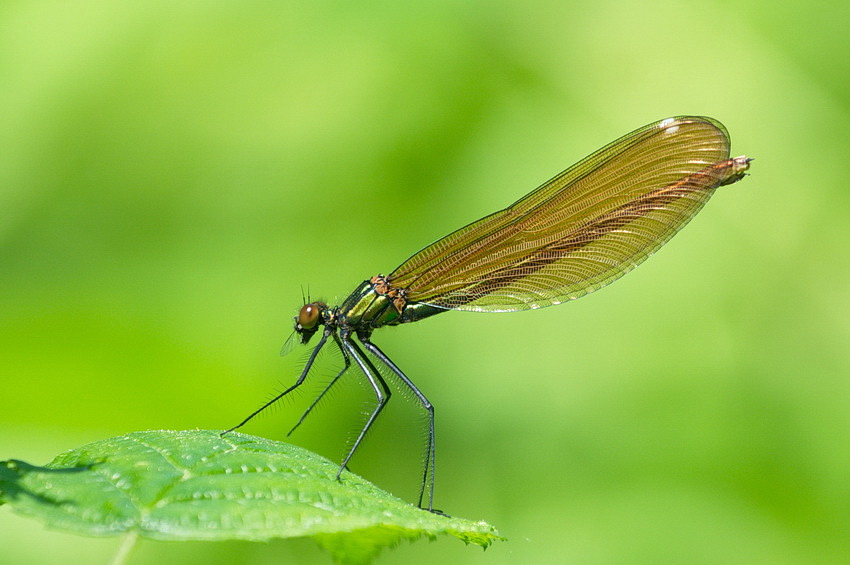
(347, 359)
(382, 392)
(430, 458)
(300, 380)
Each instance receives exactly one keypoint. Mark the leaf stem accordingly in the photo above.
(124, 550)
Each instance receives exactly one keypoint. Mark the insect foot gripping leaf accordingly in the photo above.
(195, 485)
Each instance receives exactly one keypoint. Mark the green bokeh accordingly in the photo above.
(171, 176)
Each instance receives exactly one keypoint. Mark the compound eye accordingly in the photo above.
(308, 316)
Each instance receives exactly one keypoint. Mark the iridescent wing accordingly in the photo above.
(581, 230)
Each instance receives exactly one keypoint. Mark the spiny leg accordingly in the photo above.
(430, 460)
(300, 380)
(382, 392)
(347, 359)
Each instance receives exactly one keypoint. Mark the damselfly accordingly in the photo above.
(574, 234)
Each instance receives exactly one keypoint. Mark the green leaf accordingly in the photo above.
(196, 485)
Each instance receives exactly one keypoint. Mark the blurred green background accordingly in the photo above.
(171, 177)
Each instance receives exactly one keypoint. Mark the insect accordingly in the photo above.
(576, 233)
